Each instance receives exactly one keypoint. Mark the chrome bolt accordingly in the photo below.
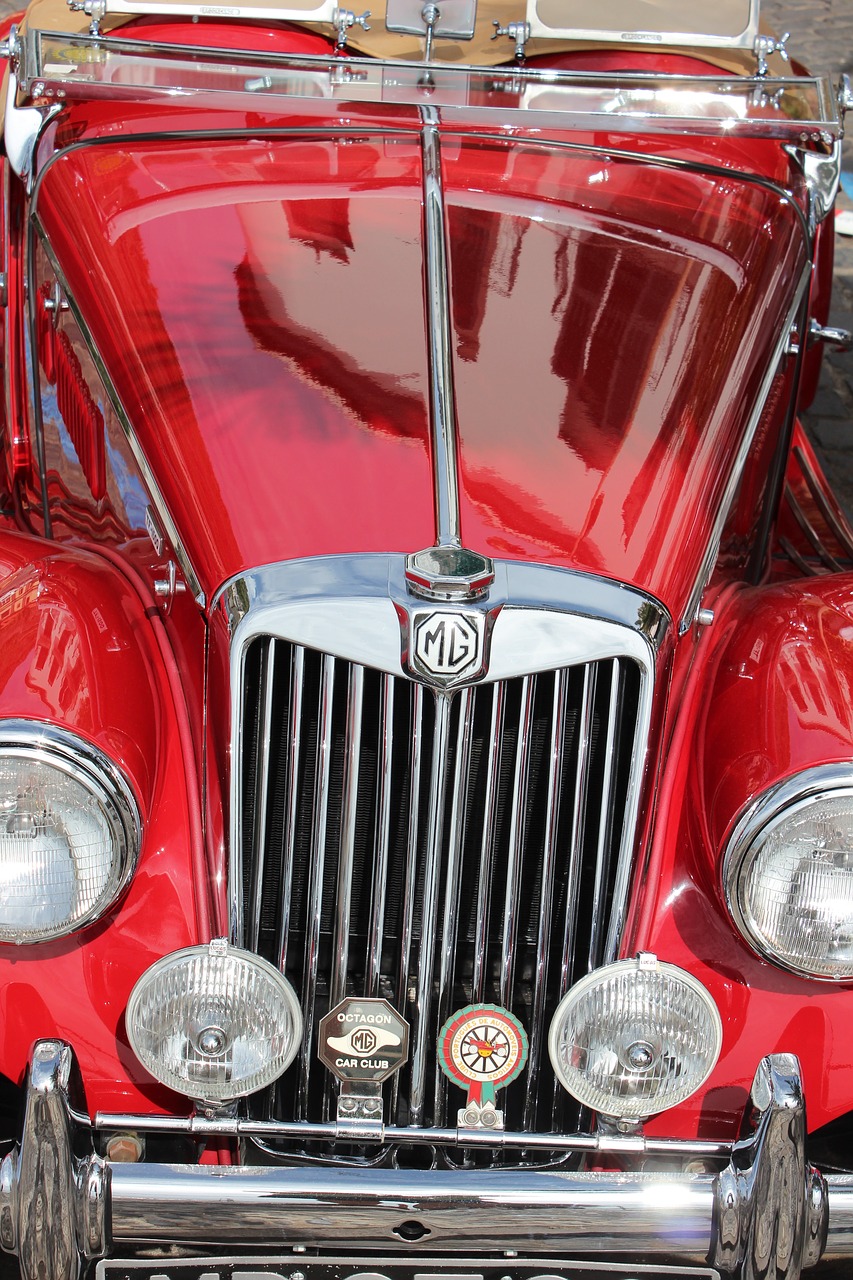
(211, 1041)
(705, 617)
(640, 1055)
(125, 1148)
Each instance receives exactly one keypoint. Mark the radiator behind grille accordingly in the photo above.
(435, 850)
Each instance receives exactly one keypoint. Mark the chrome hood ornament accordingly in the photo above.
(449, 573)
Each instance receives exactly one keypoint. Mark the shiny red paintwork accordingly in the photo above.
(79, 652)
(770, 695)
(276, 377)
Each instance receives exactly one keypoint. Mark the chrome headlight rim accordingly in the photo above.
(44, 743)
(779, 802)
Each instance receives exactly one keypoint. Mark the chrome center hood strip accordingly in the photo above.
(442, 395)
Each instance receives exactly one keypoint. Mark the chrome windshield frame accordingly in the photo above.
(798, 110)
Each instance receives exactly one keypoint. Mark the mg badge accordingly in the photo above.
(364, 1040)
(447, 646)
(482, 1048)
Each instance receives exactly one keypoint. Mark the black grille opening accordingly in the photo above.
(534, 777)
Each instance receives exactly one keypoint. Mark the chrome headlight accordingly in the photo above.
(213, 1022)
(69, 832)
(635, 1037)
(788, 873)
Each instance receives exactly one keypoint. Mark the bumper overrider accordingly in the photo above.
(764, 1211)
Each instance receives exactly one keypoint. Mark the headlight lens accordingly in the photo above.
(213, 1022)
(788, 873)
(634, 1038)
(69, 832)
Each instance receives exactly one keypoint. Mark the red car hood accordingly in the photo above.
(259, 305)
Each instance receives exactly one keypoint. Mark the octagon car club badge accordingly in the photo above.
(482, 1048)
(365, 1040)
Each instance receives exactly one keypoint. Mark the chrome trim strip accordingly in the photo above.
(410, 877)
(590, 681)
(516, 839)
(487, 848)
(261, 789)
(383, 837)
(549, 863)
(453, 873)
(200, 1127)
(315, 893)
(158, 502)
(694, 600)
(602, 860)
(623, 871)
(297, 677)
(442, 395)
(346, 862)
(33, 395)
(422, 1004)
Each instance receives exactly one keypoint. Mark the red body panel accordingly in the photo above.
(763, 704)
(78, 652)
(287, 375)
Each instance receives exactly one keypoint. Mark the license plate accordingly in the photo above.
(300, 1267)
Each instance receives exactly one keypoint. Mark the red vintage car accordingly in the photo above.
(426, 681)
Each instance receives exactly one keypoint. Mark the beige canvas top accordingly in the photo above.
(54, 15)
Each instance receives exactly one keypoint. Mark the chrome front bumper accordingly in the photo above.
(765, 1211)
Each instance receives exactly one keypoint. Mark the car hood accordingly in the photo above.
(259, 305)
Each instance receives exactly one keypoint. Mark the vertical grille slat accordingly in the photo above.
(288, 844)
(487, 844)
(346, 858)
(603, 850)
(538, 1032)
(383, 837)
(433, 848)
(516, 841)
(317, 867)
(422, 1005)
(407, 926)
(447, 949)
(567, 970)
(262, 791)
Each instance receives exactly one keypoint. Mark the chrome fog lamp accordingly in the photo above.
(788, 874)
(634, 1038)
(69, 832)
(213, 1022)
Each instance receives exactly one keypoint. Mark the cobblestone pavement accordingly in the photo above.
(822, 39)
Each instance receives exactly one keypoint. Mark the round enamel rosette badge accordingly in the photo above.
(482, 1048)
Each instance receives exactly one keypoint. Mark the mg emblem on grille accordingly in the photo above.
(447, 646)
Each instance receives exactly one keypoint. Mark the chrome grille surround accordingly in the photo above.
(563, 648)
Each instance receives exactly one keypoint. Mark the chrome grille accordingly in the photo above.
(435, 850)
